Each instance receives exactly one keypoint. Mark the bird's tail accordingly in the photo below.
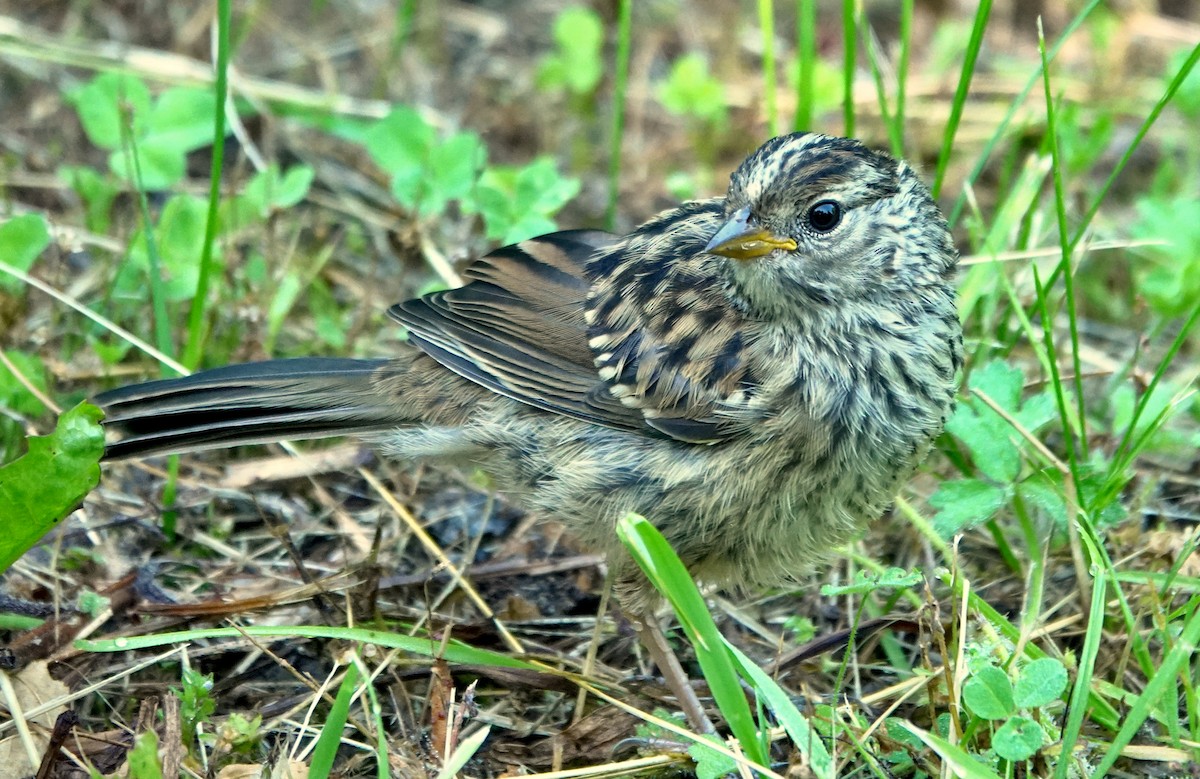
(252, 403)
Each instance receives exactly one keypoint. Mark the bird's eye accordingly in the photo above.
(824, 216)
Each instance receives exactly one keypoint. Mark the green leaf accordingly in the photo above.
(984, 432)
(576, 65)
(541, 189)
(518, 203)
(666, 571)
(180, 236)
(162, 164)
(98, 191)
(266, 192)
(1040, 682)
(463, 753)
(528, 226)
(92, 603)
(399, 140)
(182, 119)
(868, 581)
(710, 764)
(14, 395)
(286, 292)
(1168, 276)
(1018, 739)
(39, 489)
(143, 758)
(1044, 490)
(453, 169)
(961, 762)
(989, 694)
(99, 104)
(804, 737)
(691, 91)
(22, 240)
(293, 187)
(330, 738)
(965, 503)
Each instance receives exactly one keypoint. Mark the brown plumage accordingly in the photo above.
(756, 373)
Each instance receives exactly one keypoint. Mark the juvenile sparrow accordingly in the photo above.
(757, 374)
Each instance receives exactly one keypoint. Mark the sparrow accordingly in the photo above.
(757, 373)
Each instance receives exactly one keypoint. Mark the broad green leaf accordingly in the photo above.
(965, 503)
(143, 759)
(577, 63)
(985, 433)
(453, 169)
(1018, 739)
(161, 162)
(182, 119)
(989, 694)
(711, 764)
(690, 90)
(1039, 683)
(97, 190)
(101, 105)
(401, 138)
(293, 187)
(14, 395)
(540, 188)
(180, 237)
(22, 240)
(40, 488)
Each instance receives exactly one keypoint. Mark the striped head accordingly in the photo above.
(812, 218)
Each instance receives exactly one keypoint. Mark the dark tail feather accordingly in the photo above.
(253, 403)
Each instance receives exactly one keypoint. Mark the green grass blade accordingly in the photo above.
(1064, 263)
(798, 728)
(806, 54)
(196, 316)
(451, 652)
(849, 63)
(1176, 661)
(1184, 70)
(667, 573)
(960, 762)
(766, 22)
(330, 738)
(1078, 705)
(620, 84)
(465, 750)
(906, 20)
(382, 771)
(1014, 106)
(895, 133)
(974, 43)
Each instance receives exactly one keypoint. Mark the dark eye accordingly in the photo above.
(824, 216)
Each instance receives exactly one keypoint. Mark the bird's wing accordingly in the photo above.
(517, 327)
(667, 337)
(633, 333)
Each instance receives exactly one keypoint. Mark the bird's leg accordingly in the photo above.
(651, 636)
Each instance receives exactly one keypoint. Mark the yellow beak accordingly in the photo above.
(740, 240)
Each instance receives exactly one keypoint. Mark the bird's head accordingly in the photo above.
(811, 218)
